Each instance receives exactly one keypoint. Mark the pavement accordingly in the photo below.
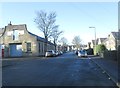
(110, 67)
(9, 61)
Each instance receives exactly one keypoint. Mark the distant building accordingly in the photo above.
(93, 43)
(17, 41)
(98, 41)
(101, 40)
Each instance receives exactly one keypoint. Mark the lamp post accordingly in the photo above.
(95, 38)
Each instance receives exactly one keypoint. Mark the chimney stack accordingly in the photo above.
(10, 23)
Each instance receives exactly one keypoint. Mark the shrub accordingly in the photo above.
(100, 48)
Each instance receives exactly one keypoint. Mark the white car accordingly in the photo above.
(50, 53)
(82, 53)
(56, 53)
(61, 52)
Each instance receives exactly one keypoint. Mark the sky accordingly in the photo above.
(74, 18)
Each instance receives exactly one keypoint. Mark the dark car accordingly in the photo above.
(76, 52)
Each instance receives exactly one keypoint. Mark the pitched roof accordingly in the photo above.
(1, 30)
(102, 39)
(40, 38)
(93, 41)
(115, 34)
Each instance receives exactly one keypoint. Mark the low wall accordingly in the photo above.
(118, 53)
(111, 55)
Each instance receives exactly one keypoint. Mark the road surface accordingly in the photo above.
(64, 70)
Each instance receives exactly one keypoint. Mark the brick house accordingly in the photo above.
(17, 41)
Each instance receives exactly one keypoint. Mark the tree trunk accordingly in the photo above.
(55, 45)
(45, 44)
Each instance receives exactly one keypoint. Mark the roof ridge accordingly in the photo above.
(40, 38)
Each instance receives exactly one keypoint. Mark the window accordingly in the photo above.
(15, 34)
(28, 47)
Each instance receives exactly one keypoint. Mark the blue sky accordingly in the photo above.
(73, 18)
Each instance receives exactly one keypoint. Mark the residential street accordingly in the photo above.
(64, 70)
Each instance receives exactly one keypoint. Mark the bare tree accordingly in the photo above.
(77, 41)
(64, 41)
(55, 35)
(46, 23)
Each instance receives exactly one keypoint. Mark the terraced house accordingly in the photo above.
(17, 41)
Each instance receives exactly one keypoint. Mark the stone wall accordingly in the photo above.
(111, 55)
(118, 54)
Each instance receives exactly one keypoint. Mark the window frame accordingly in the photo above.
(28, 45)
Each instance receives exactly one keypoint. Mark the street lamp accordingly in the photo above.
(95, 38)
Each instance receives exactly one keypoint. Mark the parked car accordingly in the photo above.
(50, 53)
(61, 52)
(56, 53)
(82, 53)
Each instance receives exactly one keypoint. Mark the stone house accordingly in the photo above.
(112, 41)
(17, 41)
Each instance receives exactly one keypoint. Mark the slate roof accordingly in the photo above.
(93, 41)
(115, 34)
(40, 38)
(1, 30)
(102, 39)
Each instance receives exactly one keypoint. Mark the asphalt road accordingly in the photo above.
(64, 70)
